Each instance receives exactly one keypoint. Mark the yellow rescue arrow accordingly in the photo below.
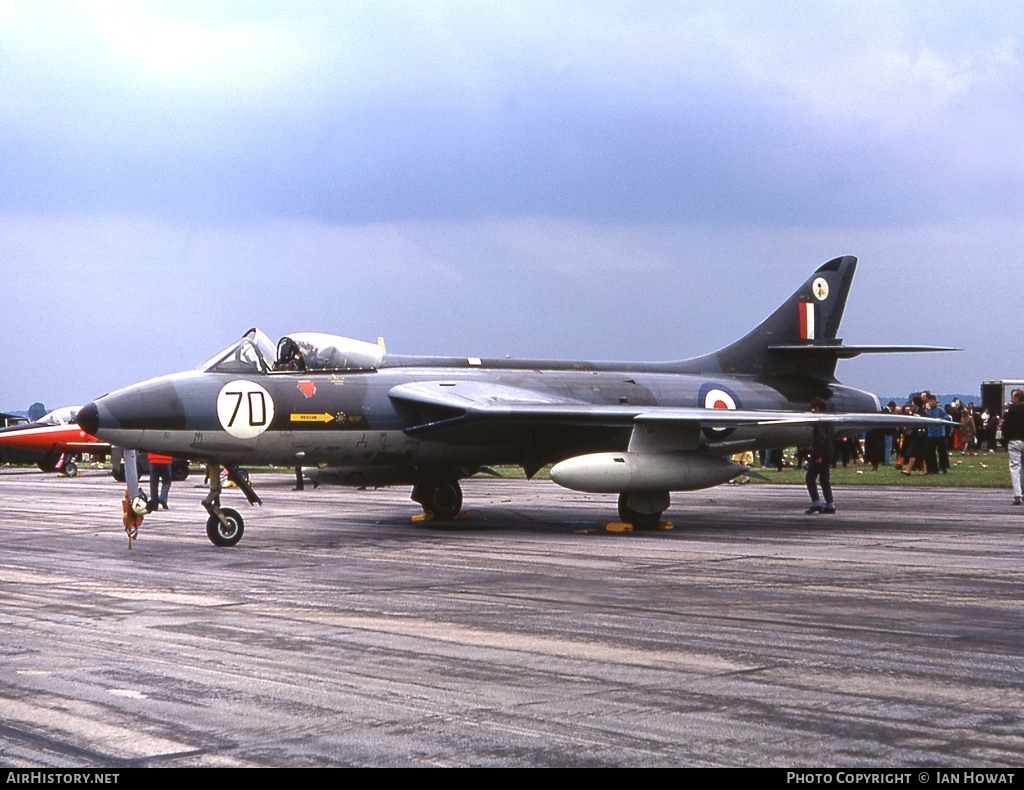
(311, 417)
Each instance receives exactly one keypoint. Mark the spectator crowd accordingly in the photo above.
(914, 449)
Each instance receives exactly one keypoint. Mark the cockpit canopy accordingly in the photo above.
(323, 352)
(62, 416)
(299, 351)
(254, 353)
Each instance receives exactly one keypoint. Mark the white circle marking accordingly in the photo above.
(244, 408)
(820, 289)
(718, 399)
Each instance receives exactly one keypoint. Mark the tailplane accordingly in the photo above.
(799, 338)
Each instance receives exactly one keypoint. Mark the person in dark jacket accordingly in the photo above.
(1013, 438)
(916, 440)
(819, 463)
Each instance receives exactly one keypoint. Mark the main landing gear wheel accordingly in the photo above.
(70, 469)
(227, 532)
(638, 519)
(440, 496)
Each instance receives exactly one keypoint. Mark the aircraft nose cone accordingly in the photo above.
(89, 418)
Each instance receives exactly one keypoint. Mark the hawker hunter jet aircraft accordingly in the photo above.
(637, 429)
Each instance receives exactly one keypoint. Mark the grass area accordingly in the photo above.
(987, 470)
(990, 470)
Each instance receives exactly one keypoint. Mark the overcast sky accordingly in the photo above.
(596, 180)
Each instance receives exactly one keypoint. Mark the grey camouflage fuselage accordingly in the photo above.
(362, 417)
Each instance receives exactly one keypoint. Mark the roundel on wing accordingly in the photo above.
(717, 396)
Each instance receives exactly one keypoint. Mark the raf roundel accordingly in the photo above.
(719, 399)
(245, 409)
(820, 289)
(716, 396)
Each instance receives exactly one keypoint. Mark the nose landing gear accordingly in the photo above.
(225, 525)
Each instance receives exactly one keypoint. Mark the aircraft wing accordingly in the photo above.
(440, 404)
(720, 418)
(446, 404)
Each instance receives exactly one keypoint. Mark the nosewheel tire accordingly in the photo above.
(221, 534)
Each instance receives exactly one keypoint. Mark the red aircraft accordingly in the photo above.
(57, 436)
(55, 440)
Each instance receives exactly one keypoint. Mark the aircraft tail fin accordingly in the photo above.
(799, 338)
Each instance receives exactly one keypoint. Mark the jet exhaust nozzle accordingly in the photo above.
(622, 473)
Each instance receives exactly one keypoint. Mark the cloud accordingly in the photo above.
(97, 303)
(539, 178)
(355, 113)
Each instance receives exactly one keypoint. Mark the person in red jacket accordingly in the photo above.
(159, 470)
